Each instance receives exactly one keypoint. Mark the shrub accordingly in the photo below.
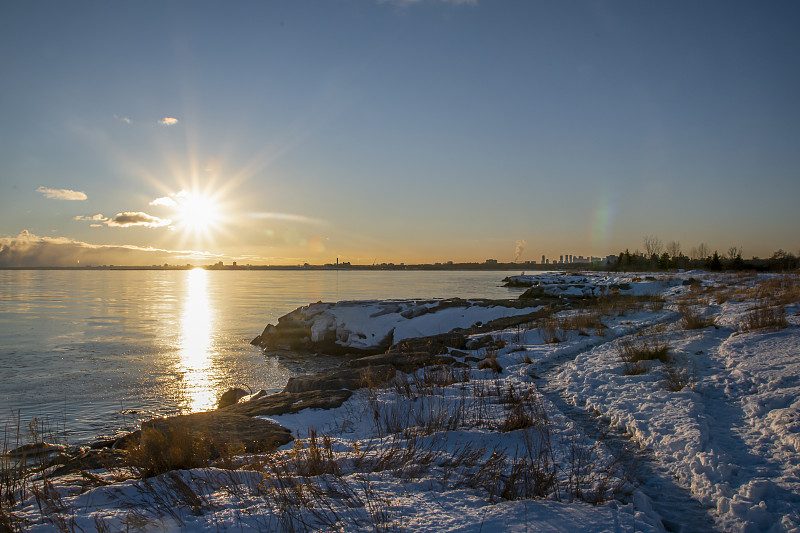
(552, 331)
(768, 318)
(691, 319)
(779, 290)
(583, 321)
(171, 448)
(656, 302)
(636, 352)
(677, 376)
(522, 410)
(490, 362)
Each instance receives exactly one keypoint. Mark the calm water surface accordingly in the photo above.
(95, 352)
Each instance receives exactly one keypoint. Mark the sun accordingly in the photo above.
(196, 213)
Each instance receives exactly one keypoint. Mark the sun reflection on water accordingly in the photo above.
(196, 346)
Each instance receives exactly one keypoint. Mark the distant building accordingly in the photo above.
(543, 260)
(491, 261)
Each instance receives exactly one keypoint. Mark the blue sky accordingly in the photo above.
(396, 131)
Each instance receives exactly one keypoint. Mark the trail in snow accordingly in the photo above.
(678, 509)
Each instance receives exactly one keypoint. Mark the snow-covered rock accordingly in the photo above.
(579, 285)
(372, 326)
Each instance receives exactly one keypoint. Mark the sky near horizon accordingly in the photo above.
(373, 131)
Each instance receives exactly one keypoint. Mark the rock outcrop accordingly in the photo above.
(231, 396)
(237, 431)
(345, 378)
(287, 402)
(372, 327)
(587, 285)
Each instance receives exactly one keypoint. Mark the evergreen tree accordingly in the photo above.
(715, 264)
(663, 262)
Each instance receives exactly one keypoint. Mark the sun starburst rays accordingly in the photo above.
(196, 213)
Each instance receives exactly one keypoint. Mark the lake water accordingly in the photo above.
(94, 352)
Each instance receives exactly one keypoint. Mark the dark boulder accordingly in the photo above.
(347, 378)
(231, 396)
(226, 429)
(533, 292)
(402, 361)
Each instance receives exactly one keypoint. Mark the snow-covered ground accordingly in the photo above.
(561, 435)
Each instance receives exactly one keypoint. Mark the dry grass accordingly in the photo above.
(779, 290)
(522, 410)
(554, 329)
(656, 302)
(764, 317)
(176, 448)
(693, 319)
(679, 375)
(636, 352)
(584, 322)
(551, 330)
(490, 362)
(24, 474)
(617, 304)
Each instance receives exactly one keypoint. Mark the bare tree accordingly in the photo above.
(674, 249)
(703, 251)
(652, 245)
(734, 252)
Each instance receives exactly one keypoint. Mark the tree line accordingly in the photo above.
(657, 256)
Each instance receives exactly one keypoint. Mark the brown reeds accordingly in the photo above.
(635, 352)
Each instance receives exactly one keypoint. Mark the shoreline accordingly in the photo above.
(422, 425)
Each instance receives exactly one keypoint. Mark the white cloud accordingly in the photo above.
(168, 121)
(94, 218)
(62, 194)
(28, 250)
(165, 200)
(126, 120)
(137, 218)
